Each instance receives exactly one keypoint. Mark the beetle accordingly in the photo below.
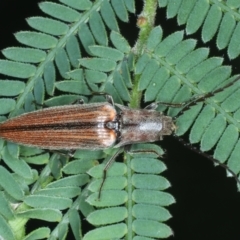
(96, 126)
(87, 126)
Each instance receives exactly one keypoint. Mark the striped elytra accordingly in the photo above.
(86, 126)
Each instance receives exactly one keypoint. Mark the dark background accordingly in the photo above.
(208, 204)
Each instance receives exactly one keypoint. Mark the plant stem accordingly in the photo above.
(145, 23)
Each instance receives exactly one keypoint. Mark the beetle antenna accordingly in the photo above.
(211, 158)
(193, 101)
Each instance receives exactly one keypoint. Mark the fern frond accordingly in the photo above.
(144, 198)
(56, 46)
(176, 72)
(77, 50)
(217, 18)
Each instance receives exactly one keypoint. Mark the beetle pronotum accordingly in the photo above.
(93, 126)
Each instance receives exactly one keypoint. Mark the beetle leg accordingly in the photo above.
(107, 96)
(108, 164)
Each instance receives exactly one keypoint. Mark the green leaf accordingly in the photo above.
(75, 223)
(49, 75)
(73, 50)
(148, 74)
(37, 159)
(15, 164)
(66, 192)
(168, 43)
(119, 42)
(106, 52)
(62, 62)
(107, 232)
(146, 150)
(30, 151)
(153, 197)
(141, 63)
(87, 154)
(121, 87)
(107, 216)
(10, 186)
(198, 72)
(7, 105)
(62, 100)
(39, 91)
(172, 7)
(162, 3)
(98, 29)
(46, 214)
(36, 39)
(180, 51)
(231, 104)
(154, 166)
(225, 31)
(111, 90)
(150, 181)
(86, 37)
(63, 230)
(211, 23)
(48, 25)
(202, 121)
(99, 64)
(226, 143)
(60, 11)
(233, 48)
(233, 161)
(120, 9)
(125, 71)
(5, 208)
(5, 230)
(197, 16)
(152, 229)
(11, 87)
(108, 198)
(111, 183)
(154, 38)
(152, 212)
(95, 76)
(24, 54)
(80, 5)
(192, 59)
(187, 119)
(78, 166)
(108, 16)
(76, 180)
(16, 69)
(130, 5)
(185, 10)
(76, 74)
(214, 78)
(39, 233)
(78, 87)
(59, 203)
(169, 90)
(117, 169)
(213, 133)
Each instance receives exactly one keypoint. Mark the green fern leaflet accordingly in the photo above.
(77, 48)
